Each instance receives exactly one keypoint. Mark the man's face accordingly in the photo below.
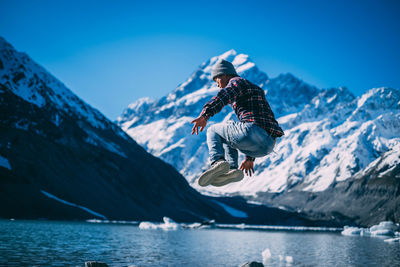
(222, 80)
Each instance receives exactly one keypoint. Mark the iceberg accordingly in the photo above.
(393, 240)
(168, 224)
(267, 256)
(386, 228)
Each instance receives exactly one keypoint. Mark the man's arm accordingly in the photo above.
(224, 97)
(199, 122)
(247, 166)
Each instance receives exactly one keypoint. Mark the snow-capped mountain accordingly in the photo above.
(330, 135)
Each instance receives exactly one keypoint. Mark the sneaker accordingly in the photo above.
(217, 168)
(233, 175)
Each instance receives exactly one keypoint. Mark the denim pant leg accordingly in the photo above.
(252, 140)
(218, 145)
(231, 156)
(248, 138)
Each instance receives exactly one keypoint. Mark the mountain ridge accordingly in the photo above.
(330, 134)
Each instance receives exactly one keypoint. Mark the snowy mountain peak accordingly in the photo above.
(375, 101)
(34, 84)
(191, 95)
(323, 143)
(382, 97)
(228, 54)
(24, 78)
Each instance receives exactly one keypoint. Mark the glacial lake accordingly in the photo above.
(60, 243)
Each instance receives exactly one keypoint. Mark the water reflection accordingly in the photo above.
(46, 243)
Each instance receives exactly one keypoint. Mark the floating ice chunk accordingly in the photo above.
(266, 255)
(393, 240)
(204, 224)
(387, 225)
(147, 225)
(289, 259)
(383, 232)
(192, 225)
(386, 228)
(351, 230)
(168, 224)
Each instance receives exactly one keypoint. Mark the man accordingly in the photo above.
(254, 135)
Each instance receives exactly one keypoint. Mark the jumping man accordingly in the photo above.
(254, 135)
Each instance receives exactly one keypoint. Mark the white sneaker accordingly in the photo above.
(234, 175)
(218, 168)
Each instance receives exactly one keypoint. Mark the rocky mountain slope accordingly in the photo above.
(330, 135)
(61, 158)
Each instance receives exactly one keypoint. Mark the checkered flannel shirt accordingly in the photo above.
(249, 103)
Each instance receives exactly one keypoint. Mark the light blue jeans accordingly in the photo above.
(225, 139)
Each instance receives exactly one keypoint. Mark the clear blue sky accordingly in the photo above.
(111, 53)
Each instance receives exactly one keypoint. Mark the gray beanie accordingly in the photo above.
(223, 67)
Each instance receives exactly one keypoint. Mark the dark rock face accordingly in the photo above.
(252, 264)
(57, 159)
(88, 161)
(365, 199)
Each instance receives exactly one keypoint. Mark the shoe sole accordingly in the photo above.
(221, 181)
(209, 175)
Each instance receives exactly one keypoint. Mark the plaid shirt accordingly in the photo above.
(249, 103)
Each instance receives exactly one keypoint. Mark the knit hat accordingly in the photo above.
(223, 67)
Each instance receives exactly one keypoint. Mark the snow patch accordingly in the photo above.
(232, 211)
(95, 140)
(73, 204)
(5, 163)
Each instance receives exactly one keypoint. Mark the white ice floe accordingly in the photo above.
(393, 240)
(278, 227)
(289, 259)
(112, 221)
(267, 257)
(168, 224)
(197, 225)
(73, 204)
(386, 228)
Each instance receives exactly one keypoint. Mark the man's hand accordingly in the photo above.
(199, 122)
(248, 167)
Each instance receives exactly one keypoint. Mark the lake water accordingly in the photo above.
(56, 243)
